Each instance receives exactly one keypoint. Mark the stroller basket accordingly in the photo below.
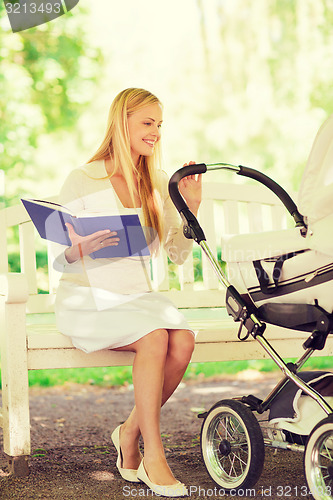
(265, 291)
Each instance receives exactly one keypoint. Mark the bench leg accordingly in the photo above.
(15, 384)
(18, 466)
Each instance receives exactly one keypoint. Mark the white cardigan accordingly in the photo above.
(87, 189)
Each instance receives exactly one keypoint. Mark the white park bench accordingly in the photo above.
(30, 340)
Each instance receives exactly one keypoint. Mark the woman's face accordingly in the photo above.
(145, 130)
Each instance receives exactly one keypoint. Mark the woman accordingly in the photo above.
(109, 303)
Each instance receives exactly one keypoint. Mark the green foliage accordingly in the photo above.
(14, 261)
(14, 266)
(47, 75)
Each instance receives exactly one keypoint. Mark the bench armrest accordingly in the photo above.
(14, 288)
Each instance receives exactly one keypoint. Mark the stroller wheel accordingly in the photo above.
(232, 446)
(318, 460)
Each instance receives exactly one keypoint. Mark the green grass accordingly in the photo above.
(105, 376)
(264, 366)
(118, 376)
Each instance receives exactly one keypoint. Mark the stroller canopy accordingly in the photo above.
(315, 199)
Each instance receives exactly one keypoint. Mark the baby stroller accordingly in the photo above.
(289, 284)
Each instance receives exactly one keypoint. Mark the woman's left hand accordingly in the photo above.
(190, 188)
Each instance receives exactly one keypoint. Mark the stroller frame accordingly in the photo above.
(247, 314)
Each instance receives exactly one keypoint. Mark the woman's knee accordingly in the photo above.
(181, 346)
(155, 343)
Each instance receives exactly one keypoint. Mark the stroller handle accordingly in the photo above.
(191, 228)
(201, 168)
(277, 189)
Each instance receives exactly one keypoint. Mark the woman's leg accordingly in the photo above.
(180, 349)
(148, 377)
(157, 370)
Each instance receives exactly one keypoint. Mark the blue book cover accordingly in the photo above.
(50, 218)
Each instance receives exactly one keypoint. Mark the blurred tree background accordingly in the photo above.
(241, 81)
(46, 78)
(268, 63)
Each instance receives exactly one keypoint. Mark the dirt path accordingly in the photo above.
(73, 458)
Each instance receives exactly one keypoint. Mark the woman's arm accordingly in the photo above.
(85, 245)
(72, 196)
(191, 190)
(176, 245)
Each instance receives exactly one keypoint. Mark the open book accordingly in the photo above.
(50, 218)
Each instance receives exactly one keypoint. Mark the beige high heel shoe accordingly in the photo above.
(171, 490)
(127, 474)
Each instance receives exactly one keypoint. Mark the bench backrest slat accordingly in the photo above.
(3, 242)
(28, 254)
(208, 220)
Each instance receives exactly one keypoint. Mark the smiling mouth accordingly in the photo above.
(150, 143)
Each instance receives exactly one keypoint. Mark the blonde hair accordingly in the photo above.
(116, 146)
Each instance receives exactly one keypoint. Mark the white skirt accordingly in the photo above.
(98, 319)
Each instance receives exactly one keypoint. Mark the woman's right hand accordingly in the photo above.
(85, 245)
